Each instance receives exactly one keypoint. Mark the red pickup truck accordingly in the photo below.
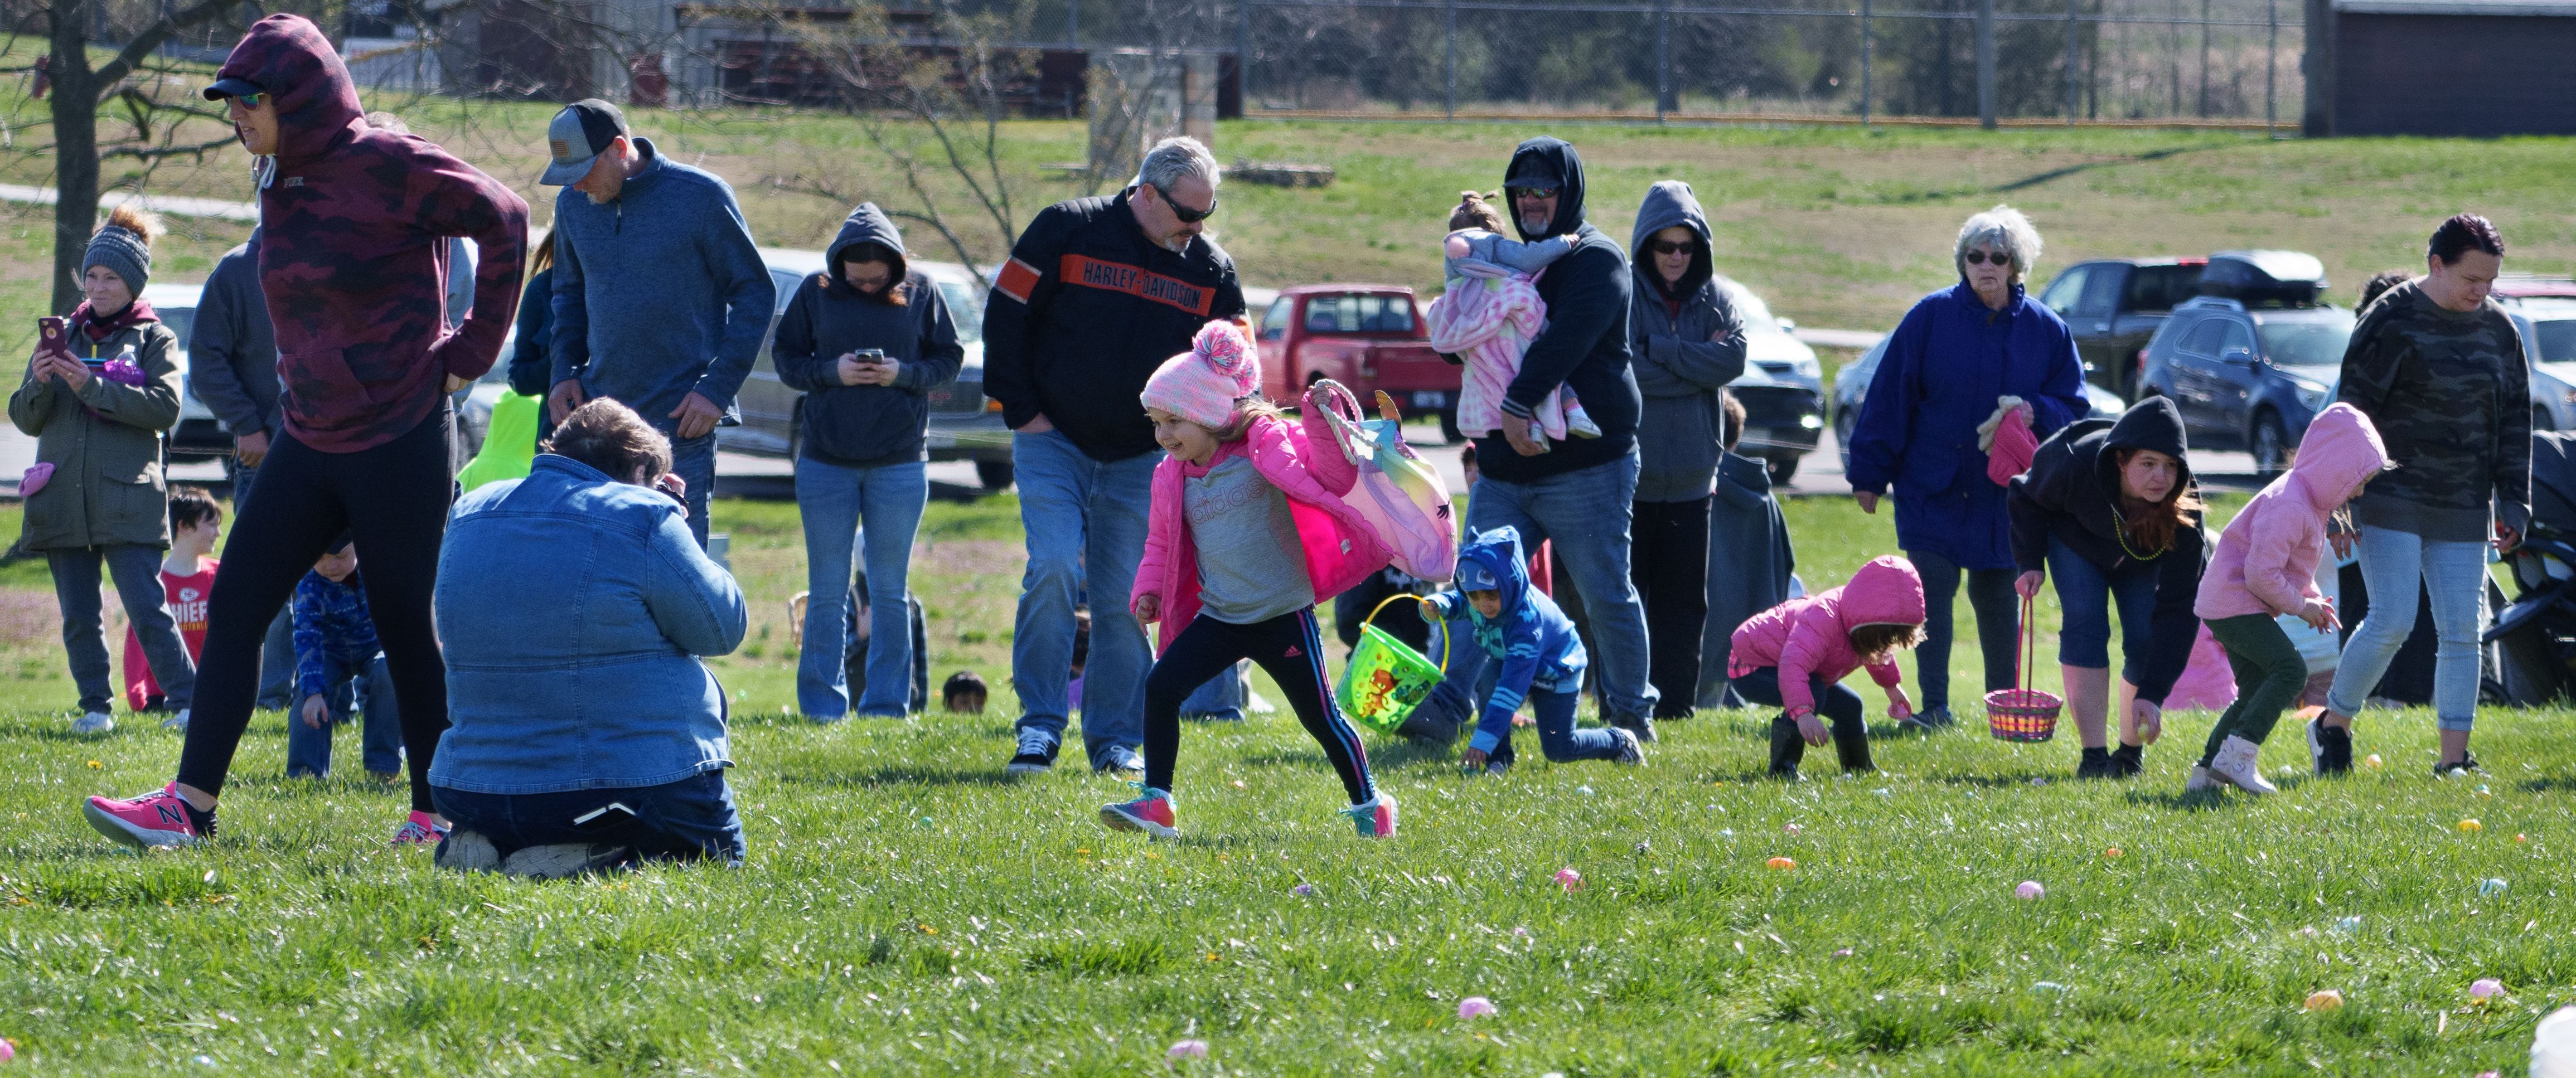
(1366, 336)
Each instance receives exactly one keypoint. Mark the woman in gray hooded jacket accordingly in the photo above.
(1686, 343)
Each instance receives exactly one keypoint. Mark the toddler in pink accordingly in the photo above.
(1793, 655)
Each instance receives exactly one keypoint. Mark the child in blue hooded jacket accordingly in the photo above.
(1541, 658)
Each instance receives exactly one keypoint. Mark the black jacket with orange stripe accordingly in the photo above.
(1085, 310)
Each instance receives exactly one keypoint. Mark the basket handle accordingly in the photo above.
(2024, 641)
(1445, 642)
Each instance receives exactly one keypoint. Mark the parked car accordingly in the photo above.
(2114, 305)
(2545, 311)
(1366, 336)
(964, 425)
(1851, 387)
(1782, 387)
(2249, 369)
(199, 437)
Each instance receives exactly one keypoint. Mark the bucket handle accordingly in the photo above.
(1445, 642)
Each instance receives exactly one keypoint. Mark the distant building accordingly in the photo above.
(2441, 67)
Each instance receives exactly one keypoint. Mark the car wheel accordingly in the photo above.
(1449, 432)
(1782, 468)
(2271, 445)
(2540, 419)
(994, 474)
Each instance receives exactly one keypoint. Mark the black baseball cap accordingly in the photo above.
(235, 87)
(576, 137)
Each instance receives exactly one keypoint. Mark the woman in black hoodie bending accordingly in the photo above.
(867, 340)
(2108, 507)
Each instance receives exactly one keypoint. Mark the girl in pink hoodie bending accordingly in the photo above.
(2266, 566)
(1793, 655)
(1247, 532)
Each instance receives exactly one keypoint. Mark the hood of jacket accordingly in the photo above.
(1559, 156)
(2340, 450)
(867, 224)
(1669, 203)
(1499, 552)
(1887, 591)
(2153, 423)
(317, 103)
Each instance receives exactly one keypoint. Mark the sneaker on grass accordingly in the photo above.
(1151, 814)
(1119, 760)
(2236, 766)
(422, 829)
(95, 722)
(177, 723)
(1630, 752)
(2465, 765)
(467, 851)
(565, 860)
(160, 819)
(2329, 747)
(1375, 817)
(1036, 755)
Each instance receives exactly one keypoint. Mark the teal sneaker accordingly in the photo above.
(1151, 814)
(1374, 817)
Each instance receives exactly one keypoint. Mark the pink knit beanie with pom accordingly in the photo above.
(1202, 384)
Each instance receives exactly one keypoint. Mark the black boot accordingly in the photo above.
(1787, 748)
(1852, 746)
(2095, 764)
(2127, 761)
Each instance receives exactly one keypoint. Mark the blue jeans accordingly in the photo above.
(1586, 513)
(694, 461)
(368, 688)
(1086, 531)
(675, 821)
(2086, 592)
(1998, 616)
(2454, 573)
(277, 653)
(1558, 740)
(137, 572)
(835, 501)
(1220, 700)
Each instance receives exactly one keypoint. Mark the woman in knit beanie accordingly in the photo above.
(97, 395)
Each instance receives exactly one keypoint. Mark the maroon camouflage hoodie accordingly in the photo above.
(354, 251)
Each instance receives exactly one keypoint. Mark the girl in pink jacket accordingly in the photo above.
(1794, 655)
(2266, 566)
(1247, 532)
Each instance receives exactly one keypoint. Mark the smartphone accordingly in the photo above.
(874, 357)
(53, 335)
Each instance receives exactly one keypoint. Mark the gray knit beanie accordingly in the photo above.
(123, 252)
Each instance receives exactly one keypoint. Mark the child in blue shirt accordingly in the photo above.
(338, 662)
(1541, 660)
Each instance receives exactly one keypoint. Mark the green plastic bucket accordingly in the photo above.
(1385, 680)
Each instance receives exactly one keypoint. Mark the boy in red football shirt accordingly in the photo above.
(187, 578)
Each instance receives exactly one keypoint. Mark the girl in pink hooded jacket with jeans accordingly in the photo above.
(1794, 655)
(1247, 532)
(2265, 566)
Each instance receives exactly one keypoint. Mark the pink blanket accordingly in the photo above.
(1490, 321)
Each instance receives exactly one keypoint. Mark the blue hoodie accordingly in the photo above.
(1534, 639)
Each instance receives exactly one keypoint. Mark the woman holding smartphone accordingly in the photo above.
(97, 395)
(866, 340)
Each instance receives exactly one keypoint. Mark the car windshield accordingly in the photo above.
(965, 308)
(2555, 340)
(1756, 314)
(2306, 342)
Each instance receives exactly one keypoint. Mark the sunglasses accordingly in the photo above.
(1668, 247)
(1187, 215)
(249, 101)
(1979, 258)
(1534, 192)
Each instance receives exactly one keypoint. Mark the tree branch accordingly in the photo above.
(151, 38)
(155, 153)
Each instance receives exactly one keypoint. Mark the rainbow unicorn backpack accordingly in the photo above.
(1398, 493)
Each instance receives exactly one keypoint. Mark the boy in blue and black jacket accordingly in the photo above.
(1541, 658)
(339, 662)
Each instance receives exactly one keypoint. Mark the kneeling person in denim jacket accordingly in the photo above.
(575, 606)
(339, 662)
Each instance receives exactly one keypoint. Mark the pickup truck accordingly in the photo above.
(1366, 336)
(2113, 306)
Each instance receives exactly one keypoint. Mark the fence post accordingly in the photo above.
(2204, 58)
(1663, 58)
(1452, 63)
(1073, 23)
(1243, 56)
(2070, 61)
(1864, 63)
(2272, 70)
(1986, 64)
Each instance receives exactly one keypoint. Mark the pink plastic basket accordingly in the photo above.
(2023, 713)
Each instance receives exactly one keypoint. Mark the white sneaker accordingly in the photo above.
(2235, 765)
(2201, 781)
(96, 722)
(178, 722)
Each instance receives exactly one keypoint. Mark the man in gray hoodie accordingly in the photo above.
(661, 297)
(1687, 342)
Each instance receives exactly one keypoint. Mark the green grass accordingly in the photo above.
(906, 911)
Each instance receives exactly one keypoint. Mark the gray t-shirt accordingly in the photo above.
(1251, 567)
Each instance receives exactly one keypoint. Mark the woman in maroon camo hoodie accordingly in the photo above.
(355, 224)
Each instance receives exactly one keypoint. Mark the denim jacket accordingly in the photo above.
(573, 609)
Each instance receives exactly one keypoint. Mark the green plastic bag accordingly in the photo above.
(1385, 680)
(509, 446)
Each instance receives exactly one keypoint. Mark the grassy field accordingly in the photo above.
(907, 911)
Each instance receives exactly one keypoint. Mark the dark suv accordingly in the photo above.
(2114, 305)
(2250, 369)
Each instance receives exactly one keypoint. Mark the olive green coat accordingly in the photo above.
(107, 488)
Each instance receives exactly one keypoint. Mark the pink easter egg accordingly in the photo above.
(2485, 988)
(1475, 1007)
(2029, 891)
(1569, 879)
(1192, 1049)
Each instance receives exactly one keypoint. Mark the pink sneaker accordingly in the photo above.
(158, 819)
(420, 830)
(1151, 814)
(1375, 817)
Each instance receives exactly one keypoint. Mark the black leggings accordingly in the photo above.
(1287, 646)
(1668, 560)
(393, 501)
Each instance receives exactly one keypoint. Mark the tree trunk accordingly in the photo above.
(75, 111)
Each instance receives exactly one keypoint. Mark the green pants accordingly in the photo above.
(2270, 673)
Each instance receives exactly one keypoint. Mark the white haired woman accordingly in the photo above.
(1963, 360)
